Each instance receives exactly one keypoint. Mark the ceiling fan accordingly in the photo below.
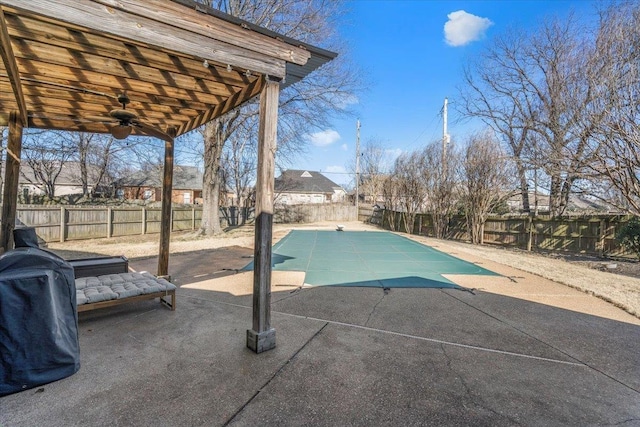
(127, 120)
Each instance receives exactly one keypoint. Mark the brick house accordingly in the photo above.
(147, 185)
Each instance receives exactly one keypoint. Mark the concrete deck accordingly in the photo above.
(519, 351)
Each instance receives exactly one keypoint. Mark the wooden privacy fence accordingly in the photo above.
(592, 234)
(74, 223)
(306, 213)
(61, 223)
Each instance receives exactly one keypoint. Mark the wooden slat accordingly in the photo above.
(46, 71)
(11, 68)
(210, 26)
(88, 62)
(117, 23)
(56, 35)
(66, 108)
(83, 92)
(232, 102)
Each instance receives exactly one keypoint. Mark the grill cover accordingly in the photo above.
(38, 320)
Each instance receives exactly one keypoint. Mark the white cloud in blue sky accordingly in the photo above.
(324, 138)
(463, 28)
(344, 147)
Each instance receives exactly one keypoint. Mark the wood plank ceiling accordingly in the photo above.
(180, 66)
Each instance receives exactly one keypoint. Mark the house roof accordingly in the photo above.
(184, 178)
(69, 174)
(303, 181)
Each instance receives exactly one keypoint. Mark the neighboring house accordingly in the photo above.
(296, 187)
(515, 202)
(147, 185)
(577, 204)
(67, 182)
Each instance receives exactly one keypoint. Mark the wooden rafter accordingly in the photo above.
(232, 102)
(12, 70)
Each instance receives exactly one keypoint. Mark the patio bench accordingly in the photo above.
(105, 282)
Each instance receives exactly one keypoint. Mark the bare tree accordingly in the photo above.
(239, 164)
(46, 154)
(96, 155)
(441, 183)
(486, 179)
(306, 105)
(617, 139)
(392, 200)
(537, 91)
(408, 172)
(374, 167)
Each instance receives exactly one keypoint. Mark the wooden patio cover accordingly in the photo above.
(64, 63)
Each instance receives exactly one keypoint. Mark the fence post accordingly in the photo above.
(602, 236)
(109, 222)
(63, 223)
(144, 220)
(193, 217)
(530, 234)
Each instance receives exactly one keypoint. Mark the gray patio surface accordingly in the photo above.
(528, 352)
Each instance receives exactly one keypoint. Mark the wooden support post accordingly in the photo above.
(11, 174)
(263, 337)
(193, 218)
(165, 224)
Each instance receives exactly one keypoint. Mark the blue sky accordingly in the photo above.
(410, 68)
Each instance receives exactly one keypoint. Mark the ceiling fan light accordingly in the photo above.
(120, 131)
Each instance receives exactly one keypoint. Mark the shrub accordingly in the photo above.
(629, 236)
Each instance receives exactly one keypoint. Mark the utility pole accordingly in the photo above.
(357, 165)
(445, 138)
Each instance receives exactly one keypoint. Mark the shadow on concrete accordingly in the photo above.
(344, 356)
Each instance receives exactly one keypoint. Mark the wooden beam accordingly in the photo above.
(124, 25)
(211, 26)
(165, 222)
(11, 175)
(12, 69)
(263, 337)
(25, 28)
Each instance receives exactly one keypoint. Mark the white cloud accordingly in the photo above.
(335, 169)
(344, 147)
(463, 28)
(324, 138)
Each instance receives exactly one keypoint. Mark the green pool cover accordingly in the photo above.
(365, 258)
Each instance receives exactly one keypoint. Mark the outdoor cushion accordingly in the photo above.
(118, 286)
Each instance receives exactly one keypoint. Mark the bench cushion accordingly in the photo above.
(118, 286)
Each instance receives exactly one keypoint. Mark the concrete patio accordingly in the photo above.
(514, 351)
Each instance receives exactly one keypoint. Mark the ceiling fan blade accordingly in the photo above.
(151, 131)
